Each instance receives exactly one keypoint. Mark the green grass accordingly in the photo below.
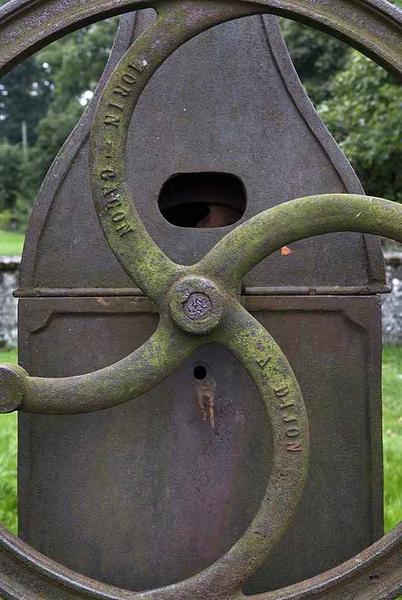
(392, 415)
(8, 460)
(11, 243)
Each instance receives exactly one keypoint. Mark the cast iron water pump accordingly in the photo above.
(199, 305)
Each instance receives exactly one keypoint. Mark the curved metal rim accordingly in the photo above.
(367, 568)
(325, 213)
(380, 51)
(46, 20)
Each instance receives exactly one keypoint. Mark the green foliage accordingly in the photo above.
(73, 65)
(10, 165)
(8, 468)
(8, 460)
(317, 57)
(48, 94)
(52, 131)
(392, 416)
(25, 94)
(15, 193)
(359, 102)
(11, 243)
(364, 114)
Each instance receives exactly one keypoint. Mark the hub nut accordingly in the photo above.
(196, 305)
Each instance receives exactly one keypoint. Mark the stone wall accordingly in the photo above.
(392, 303)
(9, 266)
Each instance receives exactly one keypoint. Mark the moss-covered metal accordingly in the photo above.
(198, 304)
(372, 26)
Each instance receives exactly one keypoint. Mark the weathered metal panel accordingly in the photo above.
(153, 491)
(235, 106)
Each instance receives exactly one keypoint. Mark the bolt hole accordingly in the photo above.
(200, 372)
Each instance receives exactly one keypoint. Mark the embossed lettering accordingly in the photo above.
(293, 432)
(119, 216)
(109, 190)
(108, 174)
(290, 419)
(120, 90)
(108, 151)
(117, 106)
(112, 120)
(140, 67)
(113, 203)
(281, 392)
(124, 228)
(294, 447)
(129, 79)
(286, 404)
(263, 362)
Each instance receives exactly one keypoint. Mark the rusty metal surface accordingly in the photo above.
(373, 26)
(226, 323)
(337, 401)
(141, 574)
(145, 156)
(226, 263)
(169, 141)
(375, 573)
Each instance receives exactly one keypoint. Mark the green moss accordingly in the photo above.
(392, 416)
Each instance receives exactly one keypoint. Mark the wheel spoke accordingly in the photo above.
(276, 383)
(135, 249)
(252, 242)
(124, 230)
(371, 25)
(112, 386)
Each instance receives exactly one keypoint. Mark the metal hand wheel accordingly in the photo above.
(198, 304)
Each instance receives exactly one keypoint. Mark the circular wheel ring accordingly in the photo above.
(25, 554)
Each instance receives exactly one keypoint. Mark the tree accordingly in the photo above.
(359, 102)
(364, 114)
(48, 92)
(316, 56)
(25, 94)
(73, 66)
(10, 167)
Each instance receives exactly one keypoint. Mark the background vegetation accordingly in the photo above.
(11, 243)
(360, 103)
(392, 437)
(40, 103)
(392, 426)
(42, 99)
(8, 461)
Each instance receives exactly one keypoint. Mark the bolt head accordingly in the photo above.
(196, 305)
